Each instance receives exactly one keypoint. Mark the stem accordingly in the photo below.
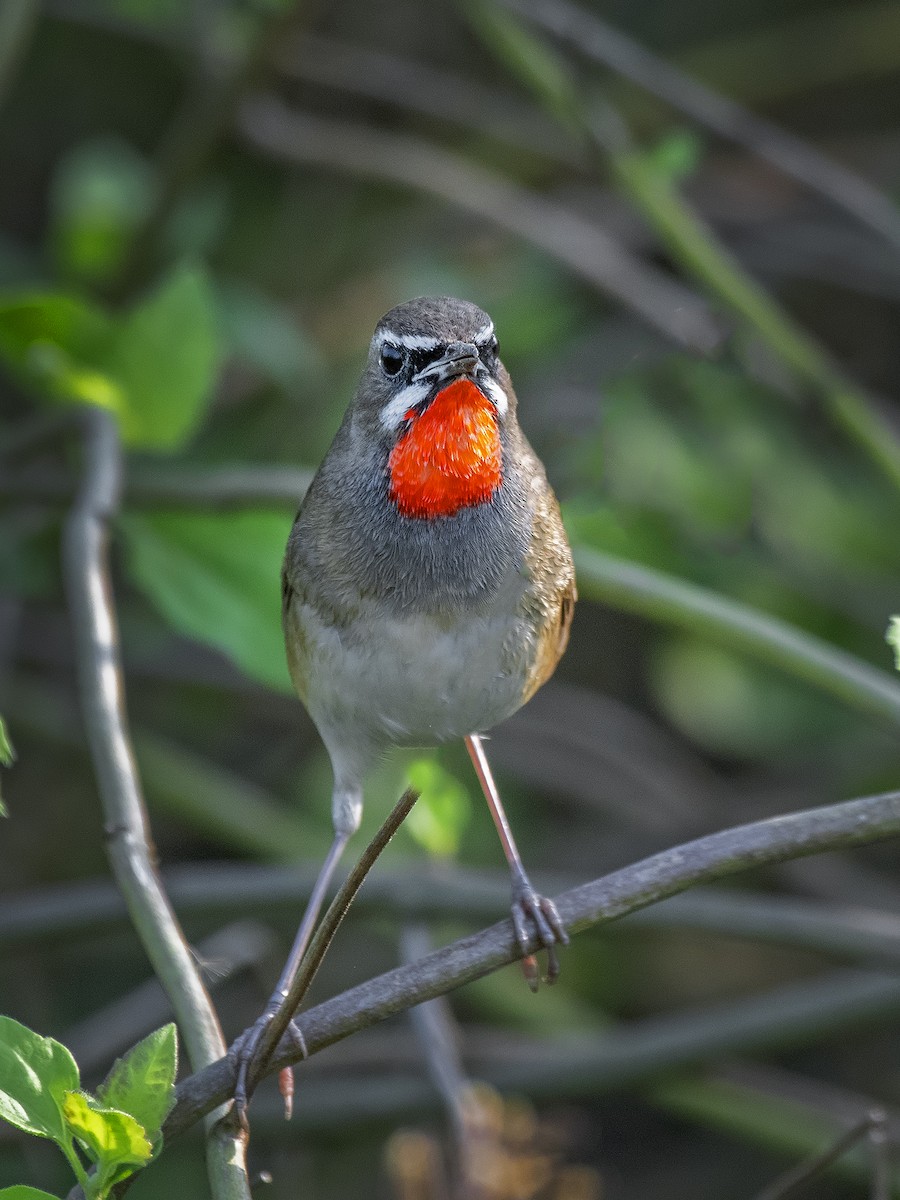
(330, 923)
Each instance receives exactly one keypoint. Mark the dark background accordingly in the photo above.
(441, 151)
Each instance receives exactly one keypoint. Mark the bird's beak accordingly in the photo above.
(460, 358)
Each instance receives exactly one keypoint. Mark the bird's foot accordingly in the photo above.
(245, 1053)
(535, 917)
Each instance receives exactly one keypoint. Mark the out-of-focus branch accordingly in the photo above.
(639, 589)
(593, 37)
(127, 831)
(273, 128)
(211, 889)
(17, 19)
(839, 826)
(163, 487)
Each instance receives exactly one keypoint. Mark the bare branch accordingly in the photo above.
(596, 39)
(852, 823)
(585, 249)
(128, 834)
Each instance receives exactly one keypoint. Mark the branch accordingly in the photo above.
(584, 248)
(852, 823)
(101, 683)
(17, 20)
(597, 40)
(637, 589)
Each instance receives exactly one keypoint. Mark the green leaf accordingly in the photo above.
(443, 810)
(892, 637)
(57, 344)
(216, 577)
(142, 1082)
(102, 191)
(165, 357)
(36, 1073)
(7, 756)
(21, 1191)
(110, 1138)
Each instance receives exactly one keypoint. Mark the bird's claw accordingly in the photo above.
(245, 1052)
(536, 917)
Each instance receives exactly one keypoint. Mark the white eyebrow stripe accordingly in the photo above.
(495, 392)
(409, 341)
(485, 333)
(395, 410)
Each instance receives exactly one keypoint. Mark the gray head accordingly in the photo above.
(420, 346)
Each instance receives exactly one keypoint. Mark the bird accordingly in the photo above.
(428, 585)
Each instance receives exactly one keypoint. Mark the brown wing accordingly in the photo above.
(550, 604)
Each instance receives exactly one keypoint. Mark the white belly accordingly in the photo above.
(414, 681)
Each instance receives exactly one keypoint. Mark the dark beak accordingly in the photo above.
(460, 358)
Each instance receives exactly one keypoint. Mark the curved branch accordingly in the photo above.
(838, 826)
(127, 831)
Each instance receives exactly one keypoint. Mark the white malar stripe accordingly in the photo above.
(495, 392)
(409, 341)
(484, 334)
(395, 410)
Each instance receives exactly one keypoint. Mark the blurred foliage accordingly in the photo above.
(160, 257)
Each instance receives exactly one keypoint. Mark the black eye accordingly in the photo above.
(391, 360)
(494, 346)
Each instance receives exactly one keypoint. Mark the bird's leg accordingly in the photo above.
(247, 1045)
(532, 914)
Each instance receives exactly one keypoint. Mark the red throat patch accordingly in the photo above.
(450, 456)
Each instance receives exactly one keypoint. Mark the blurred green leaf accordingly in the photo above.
(893, 639)
(36, 1073)
(101, 193)
(216, 578)
(443, 810)
(57, 344)
(266, 335)
(141, 1082)
(677, 155)
(155, 368)
(7, 757)
(165, 356)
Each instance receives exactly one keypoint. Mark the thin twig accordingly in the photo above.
(583, 247)
(591, 36)
(330, 923)
(854, 822)
(102, 689)
(804, 1172)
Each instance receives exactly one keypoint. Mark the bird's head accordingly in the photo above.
(436, 397)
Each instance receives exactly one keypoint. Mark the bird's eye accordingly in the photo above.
(494, 346)
(391, 360)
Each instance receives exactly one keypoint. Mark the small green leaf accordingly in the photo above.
(21, 1191)
(676, 156)
(110, 1138)
(36, 1073)
(442, 811)
(165, 358)
(216, 577)
(142, 1082)
(56, 344)
(892, 637)
(7, 756)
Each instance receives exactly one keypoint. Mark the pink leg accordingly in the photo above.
(533, 916)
